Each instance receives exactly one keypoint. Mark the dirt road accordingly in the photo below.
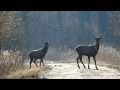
(71, 71)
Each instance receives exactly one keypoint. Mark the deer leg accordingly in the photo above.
(95, 62)
(42, 62)
(88, 62)
(35, 62)
(78, 62)
(82, 61)
(31, 59)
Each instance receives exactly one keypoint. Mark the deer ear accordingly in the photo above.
(101, 37)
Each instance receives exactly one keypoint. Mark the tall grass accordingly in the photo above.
(25, 72)
(9, 61)
(109, 55)
(12, 66)
(12, 62)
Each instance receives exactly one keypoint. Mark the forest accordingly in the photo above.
(23, 31)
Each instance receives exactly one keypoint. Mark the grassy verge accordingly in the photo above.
(25, 72)
(107, 56)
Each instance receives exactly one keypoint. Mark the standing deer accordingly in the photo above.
(88, 50)
(38, 54)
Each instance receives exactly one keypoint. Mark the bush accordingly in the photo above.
(9, 61)
(109, 55)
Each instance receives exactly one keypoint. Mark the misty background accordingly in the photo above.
(24, 31)
(69, 28)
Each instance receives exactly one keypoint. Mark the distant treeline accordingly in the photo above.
(70, 28)
(26, 30)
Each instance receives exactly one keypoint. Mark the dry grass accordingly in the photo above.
(109, 56)
(25, 72)
(13, 67)
(9, 63)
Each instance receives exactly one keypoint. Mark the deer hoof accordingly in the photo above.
(97, 69)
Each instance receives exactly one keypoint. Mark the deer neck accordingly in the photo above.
(45, 49)
(97, 46)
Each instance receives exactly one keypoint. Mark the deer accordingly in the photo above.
(88, 50)
(38, 54)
